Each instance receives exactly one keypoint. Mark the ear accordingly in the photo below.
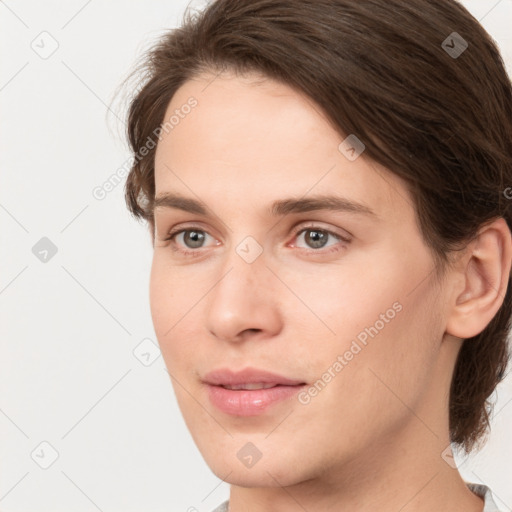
(484, 277)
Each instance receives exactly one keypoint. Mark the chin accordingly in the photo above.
(270, 471)
(258, 476)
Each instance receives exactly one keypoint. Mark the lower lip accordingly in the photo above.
(249, 402)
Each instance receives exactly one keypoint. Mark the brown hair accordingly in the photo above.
(383, 70)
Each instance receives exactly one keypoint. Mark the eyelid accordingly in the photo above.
(173, 233)
(324, 251)
(184, 227)
(347, 237)
(296, 231)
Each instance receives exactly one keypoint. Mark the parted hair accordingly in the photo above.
(419, 82)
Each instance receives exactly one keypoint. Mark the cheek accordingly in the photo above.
(360, 388)
(376, 331)
(343, 301)
(173, 292)
(161, 295)
(387, 364)
(170, 304)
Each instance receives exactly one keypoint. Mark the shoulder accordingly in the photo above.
(481, 490)
(485, 493)
(224, 507)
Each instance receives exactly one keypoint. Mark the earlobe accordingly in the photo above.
(485, 277)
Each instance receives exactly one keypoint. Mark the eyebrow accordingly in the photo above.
(277, 208)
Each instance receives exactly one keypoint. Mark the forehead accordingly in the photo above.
(251, 142)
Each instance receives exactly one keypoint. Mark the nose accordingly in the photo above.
(244, 302)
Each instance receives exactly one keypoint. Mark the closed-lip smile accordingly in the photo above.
(248, 392)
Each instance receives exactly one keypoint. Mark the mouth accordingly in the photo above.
(250, 392)
(260, 385)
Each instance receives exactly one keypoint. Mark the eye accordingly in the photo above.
(191, 238)
(317, 238)
(190, 241)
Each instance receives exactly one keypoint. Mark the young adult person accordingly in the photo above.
(325, 184)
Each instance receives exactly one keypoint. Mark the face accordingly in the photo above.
(338, 297)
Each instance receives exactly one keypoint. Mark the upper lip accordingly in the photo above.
(227, 377)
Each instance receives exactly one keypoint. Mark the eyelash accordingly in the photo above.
(197, 252)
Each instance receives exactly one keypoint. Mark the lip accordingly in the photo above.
(248, 402)
(227, 377)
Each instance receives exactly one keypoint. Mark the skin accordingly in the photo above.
(372, 438)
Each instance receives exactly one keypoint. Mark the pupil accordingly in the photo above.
(316, 238)
(194, 239)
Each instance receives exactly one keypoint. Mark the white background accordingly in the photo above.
(68, 375)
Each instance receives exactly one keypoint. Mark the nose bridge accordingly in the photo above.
(244, 271)
(241, 298)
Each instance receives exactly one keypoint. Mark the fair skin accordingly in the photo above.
(372, 438)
